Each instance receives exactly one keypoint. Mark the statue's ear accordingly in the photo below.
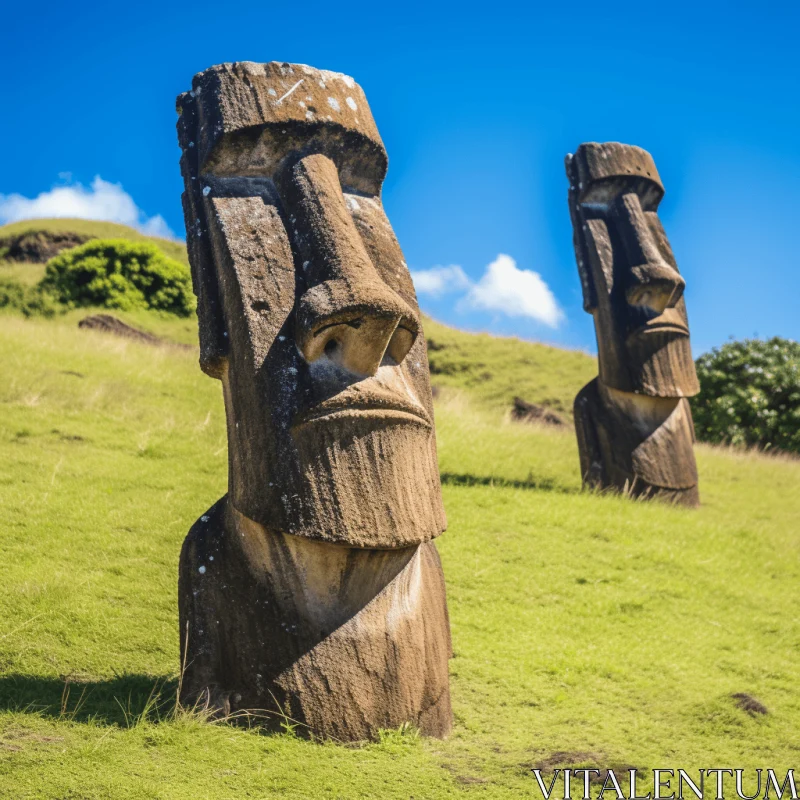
(579, 236)
(211, 322)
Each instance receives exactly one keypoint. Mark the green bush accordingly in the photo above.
(30, 300)
(117, 273)
(750, 394)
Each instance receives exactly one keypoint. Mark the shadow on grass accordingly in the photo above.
(121, 700)
(531, 482)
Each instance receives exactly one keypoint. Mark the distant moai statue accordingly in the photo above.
(312, 589)
(634, 423)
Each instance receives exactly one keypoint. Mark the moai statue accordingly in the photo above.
(312, 589)
(634, 423)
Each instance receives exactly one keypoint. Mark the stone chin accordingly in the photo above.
(660, 365)
(656, 357)
(358, 477)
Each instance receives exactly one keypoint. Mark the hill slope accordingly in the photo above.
(588, 630)
(91, 229)
(495, 369)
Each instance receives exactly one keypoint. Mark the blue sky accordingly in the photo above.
(477, 106)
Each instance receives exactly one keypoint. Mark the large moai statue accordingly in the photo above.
(634, 423)
(312, 589)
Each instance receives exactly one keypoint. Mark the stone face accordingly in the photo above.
(633, 422)
(324, 596)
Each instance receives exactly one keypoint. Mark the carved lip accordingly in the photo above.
(360, 402)
(668, 322)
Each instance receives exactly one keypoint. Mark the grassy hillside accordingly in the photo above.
(94, 229)
(494, 369)
(612, 630)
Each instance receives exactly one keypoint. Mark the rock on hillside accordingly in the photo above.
(38, 246)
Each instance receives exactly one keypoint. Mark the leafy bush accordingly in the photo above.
(750, 394)
(117, 273)
(30, 300)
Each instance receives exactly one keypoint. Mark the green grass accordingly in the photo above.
(99, 230)
(495, 369)
(26, 274)
(581, 623)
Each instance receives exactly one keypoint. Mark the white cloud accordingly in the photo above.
(102, 201)
(515, 292)
(437, 281)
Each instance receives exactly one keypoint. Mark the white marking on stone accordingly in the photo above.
(348, 81)
(334, 104)
(272, 93)
(211, 558)
(351, 103)
(309, 115)
(301, 104)
(306, 264)
(201, 569)
(281, 339)
(352, 204)
(206, 191)
(281, 99)
(205, 518)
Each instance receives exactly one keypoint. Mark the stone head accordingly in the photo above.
(306, 307)
(631, 283)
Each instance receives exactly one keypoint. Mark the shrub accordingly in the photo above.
(117, 273)
(750, 394)
(30, 300)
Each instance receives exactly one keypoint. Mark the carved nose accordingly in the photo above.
(348, 314)
(354, 329)
(652, 282)
(655, 287)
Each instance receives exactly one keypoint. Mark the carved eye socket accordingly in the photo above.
(401, 342)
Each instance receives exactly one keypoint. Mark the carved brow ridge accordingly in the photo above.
(353, 323)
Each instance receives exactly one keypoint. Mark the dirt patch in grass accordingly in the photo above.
(582, 759)
(523, 411)
(38, 247)
(107, 323)
(15, 740)
(749, 704)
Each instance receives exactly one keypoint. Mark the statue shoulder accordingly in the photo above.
(586, 399)
(206, 531)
